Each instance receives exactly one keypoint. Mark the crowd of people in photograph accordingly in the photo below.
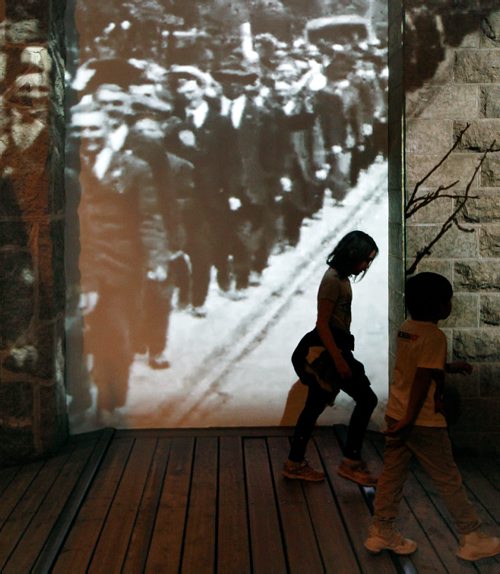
(191, 174)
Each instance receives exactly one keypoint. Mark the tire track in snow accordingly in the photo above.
(207, 381)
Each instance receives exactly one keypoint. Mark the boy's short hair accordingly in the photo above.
(425, 293)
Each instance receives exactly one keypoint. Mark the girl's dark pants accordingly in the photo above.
(357, 387)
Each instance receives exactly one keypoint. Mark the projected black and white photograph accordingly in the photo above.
(217, 151)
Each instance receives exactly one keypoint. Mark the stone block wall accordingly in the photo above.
(462, 88)
(33, 418)
(445, 71)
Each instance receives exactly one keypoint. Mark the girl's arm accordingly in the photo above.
(325, 310)
(418, 393)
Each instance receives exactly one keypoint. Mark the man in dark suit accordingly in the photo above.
(268, 168)
(249, 170)
(127, 242)
(202, 138)
(299, 191)
(336, 119)
(168, 200)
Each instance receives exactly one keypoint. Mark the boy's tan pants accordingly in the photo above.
(432, 448)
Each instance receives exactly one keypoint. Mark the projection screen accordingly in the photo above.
(216, 152)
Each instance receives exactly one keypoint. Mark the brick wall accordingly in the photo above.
(462, 86)
(32, 398)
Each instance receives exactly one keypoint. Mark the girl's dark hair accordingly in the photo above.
(353, 248)
(425, 293)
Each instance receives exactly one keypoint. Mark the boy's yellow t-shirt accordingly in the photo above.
(420, 344)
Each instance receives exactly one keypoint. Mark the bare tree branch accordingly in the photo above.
(438, 165)
(418, 203)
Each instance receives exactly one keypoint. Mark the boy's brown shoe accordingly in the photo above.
(302, 471)
(391, 539)
(477, 545)
(357, 471)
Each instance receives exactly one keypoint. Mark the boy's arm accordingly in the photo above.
(419, 389)
(460, 367)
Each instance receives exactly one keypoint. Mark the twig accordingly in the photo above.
(438, 165)
(452, 219)
(420, 202)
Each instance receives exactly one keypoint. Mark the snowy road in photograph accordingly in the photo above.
(232, 368)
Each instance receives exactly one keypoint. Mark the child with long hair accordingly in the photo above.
(324, 362)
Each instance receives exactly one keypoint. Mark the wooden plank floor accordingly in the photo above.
(214, 501)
